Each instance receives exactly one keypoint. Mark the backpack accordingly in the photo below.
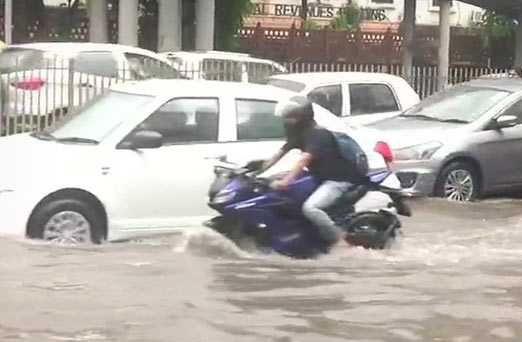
(353, 154)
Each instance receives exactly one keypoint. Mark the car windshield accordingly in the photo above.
(98, 118)
(286, 84)
(17, 59)
(460, 104)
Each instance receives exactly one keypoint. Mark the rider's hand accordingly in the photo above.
(279, 185)
(255, 165)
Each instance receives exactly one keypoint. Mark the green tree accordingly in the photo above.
(348, 19)
(230, 16)
(496, 26)
(310, 25)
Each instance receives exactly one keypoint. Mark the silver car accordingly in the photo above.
(461, 143)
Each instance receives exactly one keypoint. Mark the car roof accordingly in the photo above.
(511, 84)
(233, 56)
(72, 48)
(316, 78)
(191, 88)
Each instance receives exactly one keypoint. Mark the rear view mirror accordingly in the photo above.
(143, 139)
(506, 121)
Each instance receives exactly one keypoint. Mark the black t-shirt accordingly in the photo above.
(327, 162)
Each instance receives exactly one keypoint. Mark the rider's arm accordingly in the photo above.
(270, 162)
(304, 161)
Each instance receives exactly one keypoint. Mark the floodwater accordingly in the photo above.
(456, 275)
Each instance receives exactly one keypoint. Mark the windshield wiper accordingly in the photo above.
(78, 140)
(455, 121)
(431, 118)
(419, 116)
(43, 136)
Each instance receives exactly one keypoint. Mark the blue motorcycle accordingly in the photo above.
(251, 210)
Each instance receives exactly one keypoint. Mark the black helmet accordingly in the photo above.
(298, 108)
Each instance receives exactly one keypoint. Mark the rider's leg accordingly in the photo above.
(313, 209)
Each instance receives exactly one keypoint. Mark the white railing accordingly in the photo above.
(36, 97)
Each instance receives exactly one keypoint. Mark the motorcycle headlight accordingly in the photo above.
(418, 152)
(224, 196)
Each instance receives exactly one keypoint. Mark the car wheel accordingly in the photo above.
(459, 182)
(66, 221)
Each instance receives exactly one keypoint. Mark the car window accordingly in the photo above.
(185, 120)
(462, 102)
(100, 116)
(259, 72)
(96, 63)
(371, 98)
(256, 119)
(143, 67)
(329, 97)
(17, 59)
(222, 70)
(515, 110)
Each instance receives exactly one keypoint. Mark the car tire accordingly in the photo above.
(60, 212)
(459, 181)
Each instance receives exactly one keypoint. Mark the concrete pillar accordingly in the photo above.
(518, 49)
(408, 29)
(128, 22)
(205, 14)
(444, 41)
(8, 21)
(98, 27)
(170, 25)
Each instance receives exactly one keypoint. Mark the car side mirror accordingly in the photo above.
(143, 139)
(505, 121)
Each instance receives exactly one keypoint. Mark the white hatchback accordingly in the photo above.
(40, 82)
(139, 159)
(357, 97)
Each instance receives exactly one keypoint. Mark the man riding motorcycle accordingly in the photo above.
(322, 156)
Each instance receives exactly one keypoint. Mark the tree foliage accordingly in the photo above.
(349, 18)
(497, 26)
(310, 25)
(229, 18)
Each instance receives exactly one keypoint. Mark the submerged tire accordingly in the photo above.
(67, 221)
(458, 181)
(370, 230)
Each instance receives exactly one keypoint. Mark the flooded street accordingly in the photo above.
(455, 276)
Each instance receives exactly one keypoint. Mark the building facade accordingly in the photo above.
(164, 25)
(375, 14)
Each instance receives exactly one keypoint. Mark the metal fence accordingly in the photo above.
(35, 97)
(423, 79)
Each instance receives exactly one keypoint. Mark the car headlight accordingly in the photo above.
(224, 196)
(418, 152)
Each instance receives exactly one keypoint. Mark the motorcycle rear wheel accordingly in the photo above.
(371, 230)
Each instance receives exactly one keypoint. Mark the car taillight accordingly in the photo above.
(385, 151)
(29, 84)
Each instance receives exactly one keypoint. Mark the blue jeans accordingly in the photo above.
(323, 197)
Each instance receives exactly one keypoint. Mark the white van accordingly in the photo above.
(223, 66)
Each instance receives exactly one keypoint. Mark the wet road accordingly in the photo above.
(455, 276)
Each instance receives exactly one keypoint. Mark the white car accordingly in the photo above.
(357, 97)
(42, 81)
(223, 66)
(139, 159)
